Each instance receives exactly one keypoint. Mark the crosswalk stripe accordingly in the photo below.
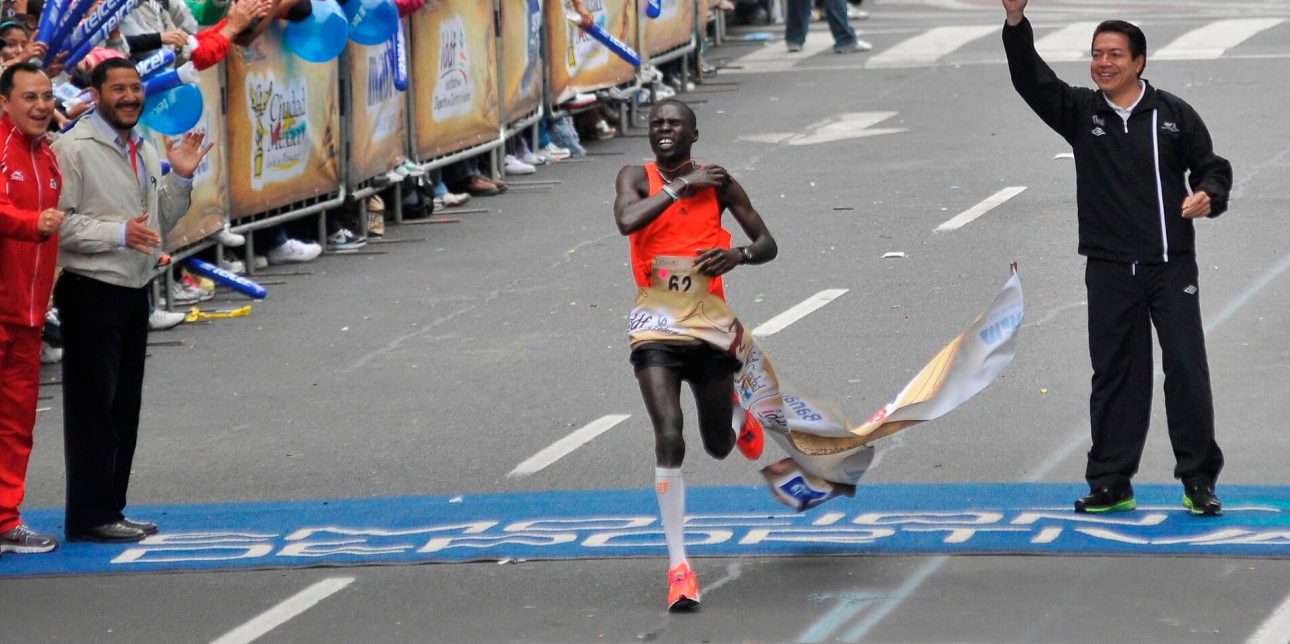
(1072, 42)
(774, 57)
(929, 46)
(1211, 40)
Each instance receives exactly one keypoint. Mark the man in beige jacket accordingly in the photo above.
(119, 206)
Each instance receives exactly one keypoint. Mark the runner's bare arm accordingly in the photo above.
(633, 208)
(717, 261)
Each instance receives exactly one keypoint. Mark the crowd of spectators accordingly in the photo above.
(72, 128)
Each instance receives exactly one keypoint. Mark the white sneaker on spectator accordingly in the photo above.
(229, 238)
(455, 199)
(580, 100)
(197, 288)
(603, 131)
(856, 13)
(261, 262)
(182, 295)
(556, 152)
(344, 240)
(161, 319)
(515, 166)
(234, 266)
(294, 252)
(50, 355)
(412, 169)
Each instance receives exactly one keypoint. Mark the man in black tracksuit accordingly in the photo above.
(1134, 147)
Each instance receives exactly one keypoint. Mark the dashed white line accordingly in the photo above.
(561, 448)
(285, 611)
(1072, 42)
(991, 202)
(929, 46)
(1276, 628)
(799, 311)
(1213, 39)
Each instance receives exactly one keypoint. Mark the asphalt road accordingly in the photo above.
(436, 364)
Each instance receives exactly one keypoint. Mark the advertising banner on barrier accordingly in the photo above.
(283, 125)
(673, 27)
(378, 130)
(455, 96)
(210, 182)
(578, 62)
(521, 57)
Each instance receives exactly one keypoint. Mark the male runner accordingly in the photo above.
(671, 209)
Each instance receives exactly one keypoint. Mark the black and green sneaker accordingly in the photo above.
(1105, 498)
(1201, 501)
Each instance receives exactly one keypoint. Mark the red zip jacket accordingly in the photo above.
(29, 183)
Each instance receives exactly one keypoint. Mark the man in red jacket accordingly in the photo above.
(29, 223)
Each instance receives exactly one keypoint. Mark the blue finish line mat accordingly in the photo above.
(904, 519)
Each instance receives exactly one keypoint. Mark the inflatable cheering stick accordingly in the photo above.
(236, 282)
(320, 37)
(607, 39)
(371, 22)
(173, 103)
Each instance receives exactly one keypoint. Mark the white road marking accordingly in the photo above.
(929, 46)
(285, 611)
(848, 125)
(1276, 628)
(1214, 38)
(1072, 42)
(799, 311)
(561, 448)
(775, 57)
(990, 203)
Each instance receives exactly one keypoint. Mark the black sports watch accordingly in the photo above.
(746, 253)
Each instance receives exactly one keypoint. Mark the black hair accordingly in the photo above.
(99, 74)
(691, 119)
(1137, 39)
(7, 78)
(10, 23)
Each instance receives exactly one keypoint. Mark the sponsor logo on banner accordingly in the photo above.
(454, 92)
(280, 128)
(802, 408)
(383, 100)
(585, 51)
(1002, 328)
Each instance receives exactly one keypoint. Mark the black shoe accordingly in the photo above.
(1104, 498)
(1201, 501)
(146, 527)
(115, 532)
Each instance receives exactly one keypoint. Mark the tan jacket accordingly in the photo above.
(100, 194)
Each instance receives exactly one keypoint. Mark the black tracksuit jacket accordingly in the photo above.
(1130, 178)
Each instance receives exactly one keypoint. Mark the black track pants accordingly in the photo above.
(1124, 301)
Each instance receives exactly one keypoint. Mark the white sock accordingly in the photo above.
(670, 488)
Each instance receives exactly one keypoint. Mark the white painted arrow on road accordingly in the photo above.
(849, 125)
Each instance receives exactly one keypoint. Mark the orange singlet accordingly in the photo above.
(686, 227)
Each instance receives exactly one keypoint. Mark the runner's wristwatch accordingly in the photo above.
(746, 253)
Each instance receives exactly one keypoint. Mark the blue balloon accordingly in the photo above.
(371, 22)
(653, 8)
(320, 37)
(173, 111)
